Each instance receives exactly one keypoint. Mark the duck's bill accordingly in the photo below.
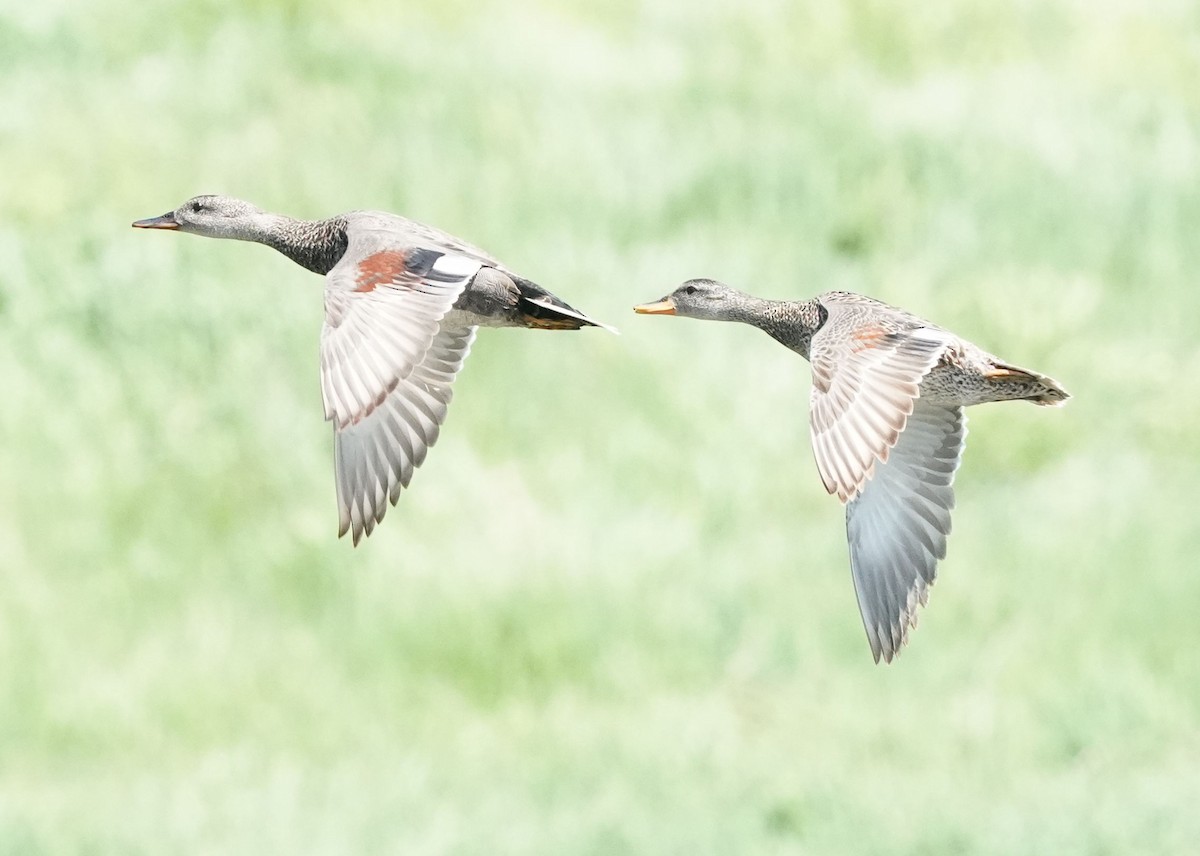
(166, 221)
(666, 306)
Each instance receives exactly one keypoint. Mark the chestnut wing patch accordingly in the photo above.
(872, 336)
(388, 360)
(382, 312)
(408, 269)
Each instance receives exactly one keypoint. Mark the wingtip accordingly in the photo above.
(348, 526)
(887, 642)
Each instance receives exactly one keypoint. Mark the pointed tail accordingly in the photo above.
(1042, 390)
(542, 310)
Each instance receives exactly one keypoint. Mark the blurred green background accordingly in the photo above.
(614, 614)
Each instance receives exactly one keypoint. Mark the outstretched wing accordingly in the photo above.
(898, 524)
(387, 363)
(375, 457)
(865, 380)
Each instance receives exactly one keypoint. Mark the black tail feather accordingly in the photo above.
(541, 309)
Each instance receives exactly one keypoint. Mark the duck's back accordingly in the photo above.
(372, 228)
(854, 312)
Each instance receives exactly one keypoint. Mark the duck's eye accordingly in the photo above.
(197, 207)
(691, 289)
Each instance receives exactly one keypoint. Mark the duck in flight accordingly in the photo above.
(402, 303)
(887, 427)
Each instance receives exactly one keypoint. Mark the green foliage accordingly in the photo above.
(614, 613)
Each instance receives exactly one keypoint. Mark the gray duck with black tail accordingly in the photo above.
(402, 303)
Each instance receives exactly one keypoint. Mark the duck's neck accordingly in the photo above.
(790, 322)
(314, 244)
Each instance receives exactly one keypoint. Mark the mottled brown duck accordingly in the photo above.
(887, 427)
(402, 303)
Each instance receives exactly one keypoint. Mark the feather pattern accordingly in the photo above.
(887, 427)
(382, 313)
(402, 303)
(864, 386)
(376, 455)
(898, 524)
(387, 365)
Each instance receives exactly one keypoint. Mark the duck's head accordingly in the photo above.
(697, 298)
(212, 216)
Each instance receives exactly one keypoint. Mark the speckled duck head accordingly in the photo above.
(214, 217)
(698, 298)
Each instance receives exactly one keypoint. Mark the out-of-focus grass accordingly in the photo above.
(614, 613)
